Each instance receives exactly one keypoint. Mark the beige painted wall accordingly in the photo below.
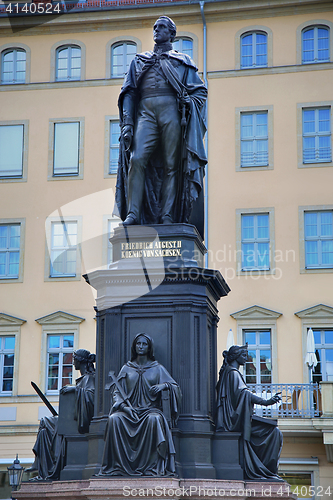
(285, 188)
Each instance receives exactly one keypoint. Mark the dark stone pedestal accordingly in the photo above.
(76, 444)
(158, 286)
(226, 455)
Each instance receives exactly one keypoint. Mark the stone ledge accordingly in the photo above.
(154, 488)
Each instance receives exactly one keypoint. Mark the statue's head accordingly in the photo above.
(150, 351)
(236, 352)
(84, 357)
(165, 30)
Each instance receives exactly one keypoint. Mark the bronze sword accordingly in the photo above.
(44, 399)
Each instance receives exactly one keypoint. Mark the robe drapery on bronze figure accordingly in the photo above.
(261, 439)
(162, 156)
(49, 448)
(138, 440)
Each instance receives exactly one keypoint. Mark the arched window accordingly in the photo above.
(184, 45)
(68, 63)
(315, 44)
(13, 66)
(122, 54)
(254, 50)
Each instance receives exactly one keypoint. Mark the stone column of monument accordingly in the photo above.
(157, 285)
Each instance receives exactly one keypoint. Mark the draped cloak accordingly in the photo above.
(49, 448)
(142, 446)
(261, 438)
(181, 73)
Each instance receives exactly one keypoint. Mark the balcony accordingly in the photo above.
(297, 400)
(305, 409)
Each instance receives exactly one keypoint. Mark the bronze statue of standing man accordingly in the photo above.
(162, 157)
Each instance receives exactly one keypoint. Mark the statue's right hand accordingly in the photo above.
(130, 412)
(127, 134)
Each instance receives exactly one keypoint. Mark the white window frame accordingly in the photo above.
(315, 43)
(239, 252)
(3, 353)
(323, 346)
(57, 323)
(270, 148)
(181, 39)
(300, 108)
(11, 326)
(301, 221)
(13, 80)
(113, 124)
(69, 77)
(54, 56)
(24, 173)
(318, 317)
(257, 347)
(122, 43)
(255, 140)
(18, 46)
(317, 134)
(259, 318)
(256, 241)
(61, 351)
(48, 249)
(320, 239)
(110, 43)
(254, 34)
(21, 222)
(109, 119)
(51, 153)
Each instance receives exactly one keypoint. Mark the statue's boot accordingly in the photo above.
(130, 220)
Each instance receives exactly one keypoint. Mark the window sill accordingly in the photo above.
(20, 178)
(66, 177)
(19, 279)
(317, 270)
(254, 167)
(316, 165)
(76, 277)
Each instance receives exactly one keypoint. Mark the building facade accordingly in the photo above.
(269, 204)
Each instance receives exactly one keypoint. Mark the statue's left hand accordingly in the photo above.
(157, 388)
(67, 388)
(275, 399)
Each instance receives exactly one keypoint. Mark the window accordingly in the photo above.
(9, 250)
(13, 66)
(121, 56)
(317, 135)
(324, 352)
(254, 139)
(7, 349)
(63, 249)
(254, 50)
(59, 361)
(114, 146)
(318, 235)
(258, 368)
(68, 63)
(11, 150)
(66, 148)
(184, 45)
(255, 241)
(315, 45)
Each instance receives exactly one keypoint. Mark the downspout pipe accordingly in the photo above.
(204, 25)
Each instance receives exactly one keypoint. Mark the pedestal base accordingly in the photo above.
(154, 488)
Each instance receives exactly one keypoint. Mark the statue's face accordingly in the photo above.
(76, 363)
(242, 358)
(141, 346)
(162, 33)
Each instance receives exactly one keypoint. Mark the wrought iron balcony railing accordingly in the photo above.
(298, 400)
